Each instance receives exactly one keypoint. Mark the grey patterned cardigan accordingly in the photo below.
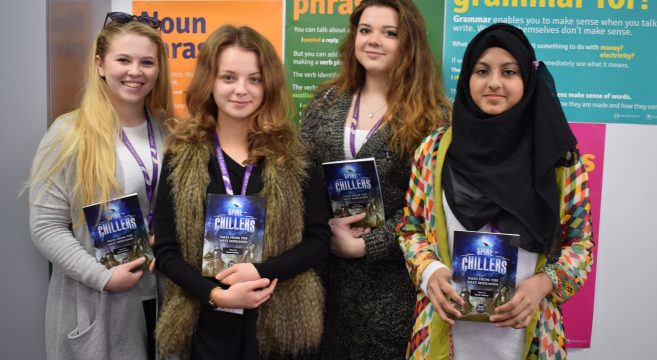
(369, 303)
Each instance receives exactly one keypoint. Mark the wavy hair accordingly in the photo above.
(417, 104)
(271, 133)
(89, 144)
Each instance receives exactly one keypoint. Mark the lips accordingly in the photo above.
(240, 104)
(132, 84)
(373, 54)
(493, 96)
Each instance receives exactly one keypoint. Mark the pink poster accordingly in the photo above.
(578, 311)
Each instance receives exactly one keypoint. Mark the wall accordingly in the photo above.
(23, 272)
(37, 85)
(624, 316)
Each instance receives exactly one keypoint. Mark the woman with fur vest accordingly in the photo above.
(240, 136)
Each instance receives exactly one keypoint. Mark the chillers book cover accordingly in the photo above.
(118, 231)
(234, 231)
(483, 271)
(353, 187)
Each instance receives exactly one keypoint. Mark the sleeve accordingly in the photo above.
(382, 243)
(314, 247)
(571, 270)
(51, 225)
(170, 261)
(415, 230)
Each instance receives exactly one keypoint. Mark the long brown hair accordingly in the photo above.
(271, 133)
(417, 104)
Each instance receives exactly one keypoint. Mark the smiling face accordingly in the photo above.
(238, 89)
(130, 68)
(496, 84)
(377, 42)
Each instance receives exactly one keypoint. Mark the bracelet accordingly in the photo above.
(210, 301)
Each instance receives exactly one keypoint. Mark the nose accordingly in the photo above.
(240, 88)
(495, 81)
(374, 39)
(135, 70)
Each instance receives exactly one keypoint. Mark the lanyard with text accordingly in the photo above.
(354, 126)
(224, 169)
(149, 181)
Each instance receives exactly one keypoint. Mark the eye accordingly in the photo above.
(510, 72)
(391, 33)
(480, 71)
(255, 79)
(227, 77)
(364, 30)
(123, 60)
(148, 62)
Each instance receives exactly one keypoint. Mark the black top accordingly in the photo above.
(222, 335)
(501, 168)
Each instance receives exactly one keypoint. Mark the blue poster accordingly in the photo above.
(600, 52)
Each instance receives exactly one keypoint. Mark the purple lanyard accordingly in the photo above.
(224, 170)
(148, 181)
(354, 126)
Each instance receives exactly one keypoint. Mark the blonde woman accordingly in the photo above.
(85, 158)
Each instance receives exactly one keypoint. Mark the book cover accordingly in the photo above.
(234, 231)
(118, 231)
(483, 271)
(353, 187)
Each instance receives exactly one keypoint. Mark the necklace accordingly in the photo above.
(371, 113)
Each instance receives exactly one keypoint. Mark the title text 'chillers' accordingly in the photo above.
(240, 223)
(116, 225)
(352, 184)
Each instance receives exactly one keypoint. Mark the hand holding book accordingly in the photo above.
(440, 291)
(345, 240)
(238, 273)
(246, 295)
(518, 312)
(125, 276)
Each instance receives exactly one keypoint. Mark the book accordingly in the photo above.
(483, 271)
(118, 231)
(354, 187)
(234, 231)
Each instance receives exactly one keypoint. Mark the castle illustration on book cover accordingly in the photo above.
(234, 231)
(118, 231)
(353, 187)
(483, 271)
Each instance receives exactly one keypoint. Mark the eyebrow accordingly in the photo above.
(384, 26)
(504, 64)
(136, 57)
(234, 72)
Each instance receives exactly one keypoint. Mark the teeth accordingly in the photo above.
(132, 84)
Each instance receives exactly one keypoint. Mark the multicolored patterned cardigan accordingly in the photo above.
(423, 239)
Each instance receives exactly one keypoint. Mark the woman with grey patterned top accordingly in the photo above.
(386, 98)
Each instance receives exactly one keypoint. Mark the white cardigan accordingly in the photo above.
(82, 320)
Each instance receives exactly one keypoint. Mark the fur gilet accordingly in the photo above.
(291, 321)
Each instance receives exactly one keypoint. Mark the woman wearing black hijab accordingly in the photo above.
(507, 164)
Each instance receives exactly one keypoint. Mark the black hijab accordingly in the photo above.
(501, 168)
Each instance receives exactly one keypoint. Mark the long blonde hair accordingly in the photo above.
(271, 133)
(89, 144)
(417, 104)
